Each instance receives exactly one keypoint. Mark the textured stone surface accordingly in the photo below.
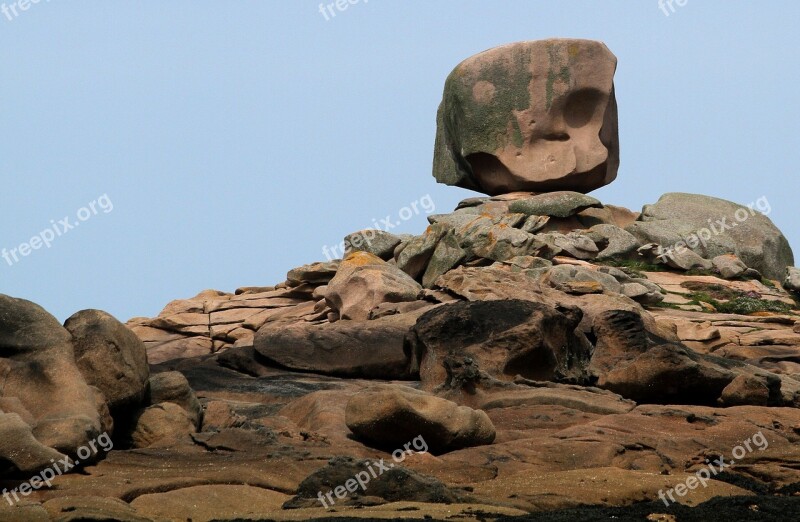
(377, 242)
(535, 116)
(372, 349)
(162, 425)
(503, 338)
(173, 387)
(684, 218)
(110, 356)
(792, 279)
(363, 282)
(381, 489)
(561, 204)
(38, 366)
(391, 416)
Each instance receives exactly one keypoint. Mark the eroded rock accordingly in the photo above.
(391, 415)
(530, 116)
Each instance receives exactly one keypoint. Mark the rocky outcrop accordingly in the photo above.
(39, 371)
(364, 281)
(553, 351)
(712, 227)
(369, 349)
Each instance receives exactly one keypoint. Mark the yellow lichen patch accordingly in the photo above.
(573, 49)
(360, 258)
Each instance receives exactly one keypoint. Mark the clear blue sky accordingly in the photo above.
(236, 139)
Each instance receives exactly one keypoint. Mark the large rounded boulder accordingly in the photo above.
(712, 227)
(42, 381)
(111, 357)
(530, 116)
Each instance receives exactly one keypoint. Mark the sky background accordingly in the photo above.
(236, 139)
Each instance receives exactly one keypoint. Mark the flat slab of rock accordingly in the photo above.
(368, 349)
(555, 204)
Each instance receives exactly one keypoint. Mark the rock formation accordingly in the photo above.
(530, 116)
(534, 350)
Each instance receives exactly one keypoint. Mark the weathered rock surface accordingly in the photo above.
(173, 387)
(38, 366)
(363, 282)
(110, 356)
(162, 425)
(561, 204)
(504, 338)
(376, 242)
(671, 374)
(394, 485)
(391, 416)
(687, 220)
(792, 279)
(530, 116)
(372, 349)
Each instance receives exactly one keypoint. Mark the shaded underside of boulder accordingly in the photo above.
(504, 338)
(389, 416)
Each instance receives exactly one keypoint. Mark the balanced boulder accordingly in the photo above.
(530, 116)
